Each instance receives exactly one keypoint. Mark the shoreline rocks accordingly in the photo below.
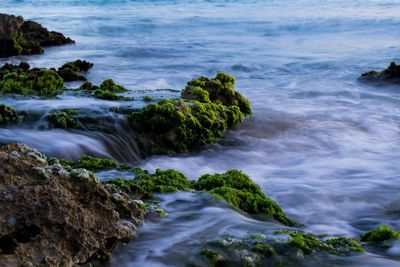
(21, 37)
(51, 216)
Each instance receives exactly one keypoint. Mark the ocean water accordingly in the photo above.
(320, 143)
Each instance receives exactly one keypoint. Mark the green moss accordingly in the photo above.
(219, 89)
(8, 115)
(88, 86)
(176, 126)
(107, 95)
(110, 85)
(71, 70)
(145, 183)
(239, 190)
(380, 234)
(173, 126)
(90, 163)
(64, 119)
(22, 80)
(306, 243)
(345, 244)
(108, 89)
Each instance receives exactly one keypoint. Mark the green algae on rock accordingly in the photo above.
(380, 235)
(265, 250)
(206, 110)
(71, 71)
(145, 183)
(108, 89)
(19, 37)
(64, 119)
(8, 115)
(25, 81)
(236, 188)
(90, 163)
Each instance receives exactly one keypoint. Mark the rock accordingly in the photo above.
(380, 235)
(21, 37)
(8, 115)
(54, 217)
(108, 89)
(71, 71)
(64, 119)
(206, 110)
(25, 81)
(391, 74)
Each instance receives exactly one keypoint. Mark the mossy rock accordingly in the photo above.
(88, 86)
(8, 115)
(71, 71)
(64, 119)
(380, 235)
(219, 89)
(90, 163)
(25, 81)
(391, 74)
(108, 89)
(145, 183)
(177, 126)
(236, 188)
(264, 250)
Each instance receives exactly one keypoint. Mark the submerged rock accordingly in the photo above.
(391, 74)
(23, 80)
(8, 115)
(206, 110)
(51, 216)
(19, 37)
(268, 250)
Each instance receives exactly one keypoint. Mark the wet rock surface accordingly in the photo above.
(51, 216)
(19, 37)
(390, 74)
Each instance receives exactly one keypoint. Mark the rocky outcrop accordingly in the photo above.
(206, 110)
(51, 216)
(390, 74)
(19, 37)
(8, 115)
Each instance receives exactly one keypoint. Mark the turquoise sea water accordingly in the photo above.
(321, 144)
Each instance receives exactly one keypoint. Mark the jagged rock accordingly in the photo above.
(19, 37)
(50, 216)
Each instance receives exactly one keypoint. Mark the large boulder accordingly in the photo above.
(51, 216)
(19, 37)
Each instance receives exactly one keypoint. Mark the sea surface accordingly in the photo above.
(323, 145)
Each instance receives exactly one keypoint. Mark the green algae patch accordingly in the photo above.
(380, 235)
(8, 115)
(146, 183)
(25, 81)
(71, 71)
(64, 119)
(344, 244)
(206, 110)
(236, 188)
(148, 98)
(108, 89)
(306, 243)
(90, 163)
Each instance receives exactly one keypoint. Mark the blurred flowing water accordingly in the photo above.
(321, 144)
